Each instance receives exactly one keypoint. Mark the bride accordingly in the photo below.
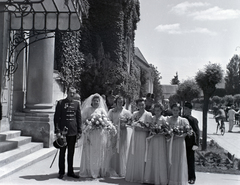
(97, 133)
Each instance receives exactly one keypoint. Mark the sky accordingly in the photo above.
(178, 36)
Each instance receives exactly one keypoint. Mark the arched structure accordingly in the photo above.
(26, 61)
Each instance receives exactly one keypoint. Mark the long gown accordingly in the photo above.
(178, 170)
(136, 154)
(119, 159)
(156, 161)
(96, 150)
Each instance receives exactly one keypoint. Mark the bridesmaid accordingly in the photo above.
(120, 118)
(156, 162)
(136, 154)
(178, 170)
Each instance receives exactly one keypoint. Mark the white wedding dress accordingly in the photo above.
(96, 148)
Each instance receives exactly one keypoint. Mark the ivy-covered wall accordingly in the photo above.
(98, 57)
(104, 41)
(68, 58)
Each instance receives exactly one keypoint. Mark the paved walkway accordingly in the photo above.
(41, 173)
(229, 141)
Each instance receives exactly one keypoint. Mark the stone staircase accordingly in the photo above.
(18, 152)
(35, 124)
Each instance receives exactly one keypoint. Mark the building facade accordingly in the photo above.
(28, 47)
(27, 58)
(144, 66)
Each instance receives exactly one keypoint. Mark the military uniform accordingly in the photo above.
(67, 114)
(190, 141)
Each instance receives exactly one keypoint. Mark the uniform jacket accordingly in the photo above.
(68, 114)
(194, 139)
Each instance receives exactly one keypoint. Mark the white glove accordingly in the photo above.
(195, 147)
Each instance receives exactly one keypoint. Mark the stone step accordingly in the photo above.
(31, 114)
(31, 118)
(2, 137)
(8, 145)
(10, 134)
(10, 140)
(16, 122)
(23, 162)
(21, 140)
(15, 154)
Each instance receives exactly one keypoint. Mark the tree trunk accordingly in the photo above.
(204, 129)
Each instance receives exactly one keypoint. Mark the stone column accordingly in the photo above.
(40, 75)
(4, 41)
(18, 80)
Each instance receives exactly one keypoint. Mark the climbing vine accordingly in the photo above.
(68, 58)
(94, 59)
(104, 34)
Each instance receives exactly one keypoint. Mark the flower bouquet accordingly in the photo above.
(141, 124)
(160, 129)
(182, 130)
(163, 129)
(99, 121)
(125, 121)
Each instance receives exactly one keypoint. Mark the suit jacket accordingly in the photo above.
(68, 114)
(0, 111)
(194, 139)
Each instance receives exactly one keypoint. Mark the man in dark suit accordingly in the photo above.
(167, 111)
(68, 114)
(0, 110)
(192, 142)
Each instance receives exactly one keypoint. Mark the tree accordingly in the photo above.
(216, 100)
(232, 79)
(175, 80)
(228, 100)
(207, 80)
(143, 81)
(188, 90)
(157, 88)
(236, 99)
(174, 99)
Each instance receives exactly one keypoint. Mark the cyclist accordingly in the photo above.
(220, 117)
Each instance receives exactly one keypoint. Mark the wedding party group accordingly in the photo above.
(142, 146)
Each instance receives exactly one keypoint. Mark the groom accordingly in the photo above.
(68, 114)
(192, 142)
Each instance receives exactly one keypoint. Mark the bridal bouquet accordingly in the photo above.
(182, 130)
(99, 121)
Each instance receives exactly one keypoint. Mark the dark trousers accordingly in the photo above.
(191, 163)
(71, 140)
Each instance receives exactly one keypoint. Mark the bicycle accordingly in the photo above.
(222, 125)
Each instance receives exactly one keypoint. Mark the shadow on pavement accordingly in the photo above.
(120, 181)
(234, 132)
(215, 134)
(46, 177)
(40, 177)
